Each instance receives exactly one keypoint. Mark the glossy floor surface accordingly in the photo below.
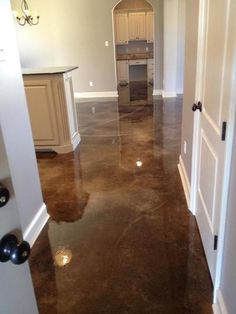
(120, 238)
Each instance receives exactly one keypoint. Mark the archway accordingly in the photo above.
(134, 43)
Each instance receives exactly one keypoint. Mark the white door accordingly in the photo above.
(214, 87)
(17, 158)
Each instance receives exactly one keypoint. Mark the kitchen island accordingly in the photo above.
(50, 98)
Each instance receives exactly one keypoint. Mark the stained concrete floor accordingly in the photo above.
(120, 238)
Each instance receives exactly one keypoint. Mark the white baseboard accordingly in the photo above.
(157, 92)
(111, 94)
(185, 180)
(35, 227)
(76, 140)
(219, 307)
(216, 309)
(179, 92)
(168, 94)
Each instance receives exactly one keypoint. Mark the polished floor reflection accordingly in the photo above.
(120, 238)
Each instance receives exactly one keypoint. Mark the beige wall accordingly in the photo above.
(181, 47)
(74, 32)
(171, 8)
(192, 8)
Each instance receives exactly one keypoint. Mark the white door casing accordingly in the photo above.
(214, 89)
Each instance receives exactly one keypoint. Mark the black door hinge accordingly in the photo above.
(224, 128)
(215, 242)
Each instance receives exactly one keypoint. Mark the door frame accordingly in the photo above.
(231, 123)
(154, 42)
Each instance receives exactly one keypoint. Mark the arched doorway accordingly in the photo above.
(133, 31)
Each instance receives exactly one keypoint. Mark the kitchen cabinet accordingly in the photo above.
(121, 28)
(51, 106)
(149, 27)
(137, 26)
(123, 71)
(150, 70)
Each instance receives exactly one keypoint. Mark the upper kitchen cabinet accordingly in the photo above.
(137, 26)
(149, 27)
(121, 28)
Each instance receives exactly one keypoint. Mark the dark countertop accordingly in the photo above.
(48, 70)
(134, 56)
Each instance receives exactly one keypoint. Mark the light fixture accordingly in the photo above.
(27, 16)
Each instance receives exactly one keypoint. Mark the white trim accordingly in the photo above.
(180, 91)
(76, 140)
(35, 227)
(219, 307)
(169, 94)
(157, 92)
(63, 149)
(185, 180)
(111, 94)
(216, 309)
(196, 126)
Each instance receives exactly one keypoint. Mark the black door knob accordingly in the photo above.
(4, 195)
(11, 249)
(197, 106)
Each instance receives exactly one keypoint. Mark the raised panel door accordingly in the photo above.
(42, 112)
(216, 88)
(150, 27)
(133, 31)
(141, 25)
(121, 28)
(137, 26)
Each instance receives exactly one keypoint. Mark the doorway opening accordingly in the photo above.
(133, 25)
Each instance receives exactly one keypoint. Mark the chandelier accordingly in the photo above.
(26, 16)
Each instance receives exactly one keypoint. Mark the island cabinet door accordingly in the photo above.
(42, 111)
